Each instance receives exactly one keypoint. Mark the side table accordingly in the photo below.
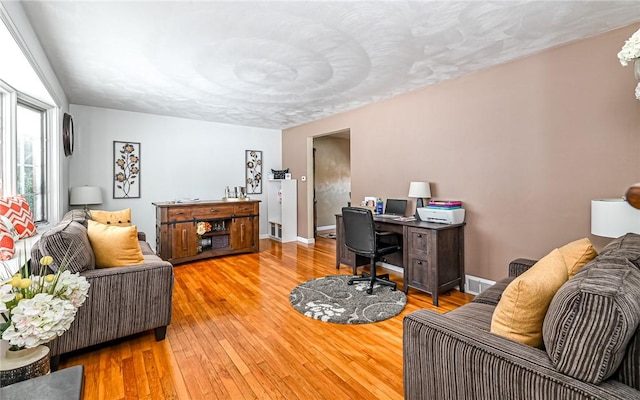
(65, 384)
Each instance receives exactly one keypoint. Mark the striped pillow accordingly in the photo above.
(56, 243)
(592, 318)
(17, 210)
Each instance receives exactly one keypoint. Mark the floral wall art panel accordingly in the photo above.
(126, 170)
(253, 176)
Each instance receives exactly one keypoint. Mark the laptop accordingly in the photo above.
(394, 208)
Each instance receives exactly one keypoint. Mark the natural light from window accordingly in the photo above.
(18, 72)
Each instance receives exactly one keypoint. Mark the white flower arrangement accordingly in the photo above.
(631, 50)
(36, 309)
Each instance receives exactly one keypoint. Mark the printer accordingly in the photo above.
(441, 216)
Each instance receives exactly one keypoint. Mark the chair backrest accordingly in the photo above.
(359, 230)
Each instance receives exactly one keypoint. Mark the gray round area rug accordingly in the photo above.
(330, 299)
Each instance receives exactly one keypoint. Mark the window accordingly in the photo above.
(31, 157)
(32, 163)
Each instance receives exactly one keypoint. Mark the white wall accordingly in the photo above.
(180, 158)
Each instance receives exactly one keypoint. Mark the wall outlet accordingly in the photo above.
(303, 178)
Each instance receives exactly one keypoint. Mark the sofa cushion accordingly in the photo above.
(494, 293)
(65, 239)
(115, 246)
(77, 215)
(118, 218)
(477, 315)
(592, 318)
(626, 246)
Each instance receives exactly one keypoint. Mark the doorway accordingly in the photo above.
(331, 180)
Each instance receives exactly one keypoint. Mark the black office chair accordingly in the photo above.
(360, 236)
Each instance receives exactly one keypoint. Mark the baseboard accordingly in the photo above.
(326, 228)
(305, 240)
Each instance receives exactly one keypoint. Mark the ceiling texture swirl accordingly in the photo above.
(278, 64)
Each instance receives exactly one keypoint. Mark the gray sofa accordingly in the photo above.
(121, 301)
(591, 334)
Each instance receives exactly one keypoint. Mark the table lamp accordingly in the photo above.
(613, 218)
(85, 195)
(420, 190)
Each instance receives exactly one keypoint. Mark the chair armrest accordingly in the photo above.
(519, 265)
(142, 236)
(444, 359)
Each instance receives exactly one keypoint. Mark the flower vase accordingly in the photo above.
(19, 365)
(636, 69)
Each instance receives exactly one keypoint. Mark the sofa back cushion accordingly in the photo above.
(626, 246)
(592, 319)
(64, 239)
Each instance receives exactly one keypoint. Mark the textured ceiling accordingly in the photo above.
(278, 64)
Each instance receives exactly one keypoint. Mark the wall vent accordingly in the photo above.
(476, 285)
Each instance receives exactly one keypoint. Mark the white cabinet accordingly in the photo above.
(283, 210)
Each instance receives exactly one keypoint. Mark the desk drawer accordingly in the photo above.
(419, 241)
(386, 227)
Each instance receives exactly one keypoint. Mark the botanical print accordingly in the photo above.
(253, 161)
(126, 167)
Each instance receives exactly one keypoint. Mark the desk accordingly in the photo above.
(432, 254)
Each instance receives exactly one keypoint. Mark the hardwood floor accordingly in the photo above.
(234, 335)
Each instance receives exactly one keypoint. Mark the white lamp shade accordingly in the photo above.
(613, 218)
(83, 195)
(420, 190)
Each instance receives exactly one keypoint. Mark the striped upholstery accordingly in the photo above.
(627, 246)
(598, 309)
(454, 356)
(444, 359)
(494, 293)
(122, 301)
(67, 238)
(629, 371)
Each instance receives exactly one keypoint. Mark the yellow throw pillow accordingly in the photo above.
(117, 218)
(114, 246)
(520, 312)
(577, 254)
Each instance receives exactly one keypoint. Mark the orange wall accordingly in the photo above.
(525, 146)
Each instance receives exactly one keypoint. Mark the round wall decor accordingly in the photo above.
(67, 134)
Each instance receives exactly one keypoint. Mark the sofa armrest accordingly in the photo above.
(444, 359)
(519, 265)
(142, 236)
(121, 301)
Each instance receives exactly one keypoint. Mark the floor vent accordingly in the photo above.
(475, 285)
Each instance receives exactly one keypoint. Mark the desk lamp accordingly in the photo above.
(420, 190)
(85, 195)
(613, 218)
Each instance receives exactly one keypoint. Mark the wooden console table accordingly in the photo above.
(234, 228)
(432, 254)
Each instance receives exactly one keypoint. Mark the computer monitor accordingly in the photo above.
(396, 207)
